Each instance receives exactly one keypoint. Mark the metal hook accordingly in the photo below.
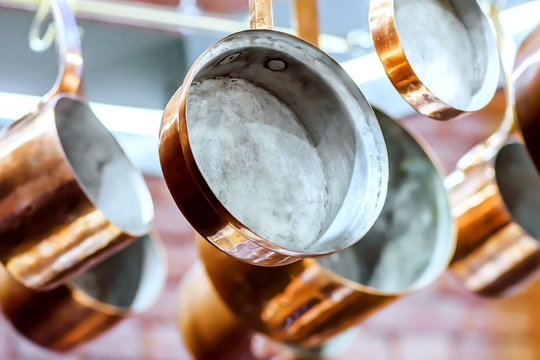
(69, 49)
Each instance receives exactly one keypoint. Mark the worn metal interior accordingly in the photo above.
(129, 280)
(519, 184)
(412, 241)
(337, 119)
(107, 176)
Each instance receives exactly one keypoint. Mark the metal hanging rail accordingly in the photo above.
(162, 18)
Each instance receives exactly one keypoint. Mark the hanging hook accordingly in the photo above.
(64, 29)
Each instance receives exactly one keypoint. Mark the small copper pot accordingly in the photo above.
(494, 203)
(125, 284)
(308, 302)
(69, 196)
(331, 109)
(441, 56)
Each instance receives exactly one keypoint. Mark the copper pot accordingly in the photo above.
(69, 196)
(297, 79)
(308, 302)
(70, 315)
(441, 56)
(494, 204)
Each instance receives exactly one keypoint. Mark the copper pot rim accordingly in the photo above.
(86, 300)
(444, 111)
(452, 238)
(237, 225)
(144, 196)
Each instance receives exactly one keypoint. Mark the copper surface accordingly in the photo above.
(300, 303)
(495, 255)
(50, 229)
(526, 81)
(389, 48)
(68, 316)
(192, 194)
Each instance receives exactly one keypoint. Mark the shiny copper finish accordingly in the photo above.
(300, 303)
(70, 315)
(245, 55)
(55, 161)
(211, 331)
(495, 255)
(526, 81)
(308, 302)
(390, 49)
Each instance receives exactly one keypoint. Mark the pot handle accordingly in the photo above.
(507, 50)
(69, 49)
(307, 26)
(260, 13)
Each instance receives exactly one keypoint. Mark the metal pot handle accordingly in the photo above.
(260, 13)
(307, 26)
(69, 50)
(507, 49)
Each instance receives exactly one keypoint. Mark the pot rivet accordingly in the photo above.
(276, 65)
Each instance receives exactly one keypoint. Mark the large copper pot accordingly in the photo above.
(329, 107)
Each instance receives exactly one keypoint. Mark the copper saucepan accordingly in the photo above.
(440, 55)
(494, 205)
(495, 196)
(308, 302)
(70, 315)
(68, 194)
(270, 150)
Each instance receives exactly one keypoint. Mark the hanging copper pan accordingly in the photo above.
(222, 127)
(68, 194)
(440, 55)
(308, 302)
(127, 283)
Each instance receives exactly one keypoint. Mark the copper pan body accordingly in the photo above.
(73, 314)
(526, 82)
(211, 331)
(308, 302)
(316, 89)
(412, 66)
(69, 196)
(497, 251)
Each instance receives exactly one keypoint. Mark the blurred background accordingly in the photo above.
(135, 57)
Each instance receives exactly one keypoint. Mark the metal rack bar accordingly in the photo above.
(162, 18)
